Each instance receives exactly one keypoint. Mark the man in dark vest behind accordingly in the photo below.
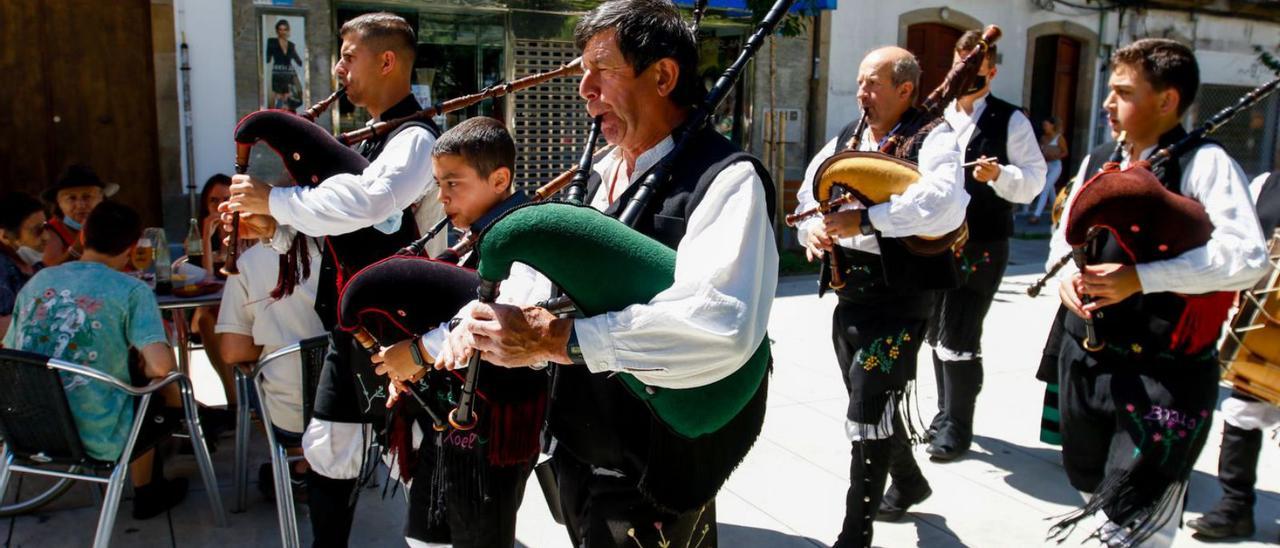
(879, 322)
(369, 212)
(641, 75)
(1010, 170)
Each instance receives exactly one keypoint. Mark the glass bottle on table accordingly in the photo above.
(193, 246)
(163, 265)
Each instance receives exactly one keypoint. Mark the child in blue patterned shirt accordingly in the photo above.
(87, 312)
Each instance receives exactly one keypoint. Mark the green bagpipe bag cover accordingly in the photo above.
(605, 266)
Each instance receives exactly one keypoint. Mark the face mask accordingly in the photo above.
(979, 82)
(71, 223)
(30, 256)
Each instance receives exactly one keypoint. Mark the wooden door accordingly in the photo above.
(82, 89)
(1055, 75)
(934, 46)
(1066, 76)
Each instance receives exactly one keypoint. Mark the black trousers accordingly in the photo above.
(957, 323)
(876, 353)
(486, 523)
(1132, 429)
(347, 391)
(606, 510)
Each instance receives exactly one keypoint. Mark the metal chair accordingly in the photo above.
(312, 352)
(39, 429)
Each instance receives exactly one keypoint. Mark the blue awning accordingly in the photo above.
(800, 6)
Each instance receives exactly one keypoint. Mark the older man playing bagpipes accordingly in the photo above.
(655, 400)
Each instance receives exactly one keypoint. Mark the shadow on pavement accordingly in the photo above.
(932, 531)
(741, 535)
(1026, 467)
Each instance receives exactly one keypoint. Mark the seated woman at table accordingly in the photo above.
(75, 194)
(87, 312)
(22, 237)
(251, 324)
(216, 190)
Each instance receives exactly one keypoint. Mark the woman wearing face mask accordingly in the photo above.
(73, 197)
(21, 239)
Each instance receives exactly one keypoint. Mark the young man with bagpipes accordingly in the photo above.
(366, 212)
(1010, 169)
(1138, 375)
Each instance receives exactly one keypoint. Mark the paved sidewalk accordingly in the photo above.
(790, 490)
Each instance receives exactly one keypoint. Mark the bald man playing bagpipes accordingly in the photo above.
(631, 466)
(887, 291)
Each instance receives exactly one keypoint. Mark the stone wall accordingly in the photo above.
(793, 63)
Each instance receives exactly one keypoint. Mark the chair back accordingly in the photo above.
(311, 353)
(35, 418)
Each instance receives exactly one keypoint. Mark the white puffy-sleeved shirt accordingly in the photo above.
(1022, 179)
(399, 177)
(1235, 256)
(248, 309)
(713, 317)
(933, 206)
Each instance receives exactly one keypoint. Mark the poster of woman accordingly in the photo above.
(284, 63)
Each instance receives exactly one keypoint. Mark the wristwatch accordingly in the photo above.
(864, 225)
(573, 349)
(415, 352)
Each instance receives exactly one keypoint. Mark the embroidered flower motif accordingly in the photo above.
(96, 324)
(1129, 407)
(1156, 437)
(65, 293)
(1136, 348)
(48, 293)
(93, 355)
(1182, 433)
(1204, 412)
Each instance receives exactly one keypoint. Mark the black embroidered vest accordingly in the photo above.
(899, 273)
(346, 254)
(989, 216)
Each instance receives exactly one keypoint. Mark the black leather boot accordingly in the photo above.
(941, 380)
(964, 381)
(909, 487)
(868, 472)
(333, 507)
(1232, 518)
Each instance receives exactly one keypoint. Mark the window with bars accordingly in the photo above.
(550, 122)
(1250, 137)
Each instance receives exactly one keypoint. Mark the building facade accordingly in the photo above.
(1053, 58)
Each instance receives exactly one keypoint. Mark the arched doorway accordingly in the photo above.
(933, 45)
(1055, 76)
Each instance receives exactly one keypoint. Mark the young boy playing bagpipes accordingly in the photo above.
(1137, 368)
(466, 487)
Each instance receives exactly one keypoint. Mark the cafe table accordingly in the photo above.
(175, 306)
